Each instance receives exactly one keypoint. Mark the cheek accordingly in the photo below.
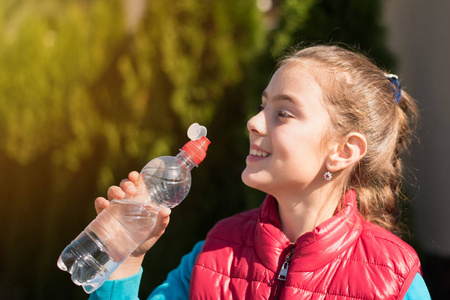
(300, 153)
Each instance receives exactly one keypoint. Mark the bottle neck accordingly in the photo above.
(186, 160)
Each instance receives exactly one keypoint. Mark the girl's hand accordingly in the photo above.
(130, 187)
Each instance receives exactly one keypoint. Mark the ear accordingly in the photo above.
(350, 151)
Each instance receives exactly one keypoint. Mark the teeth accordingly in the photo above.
(258, 153)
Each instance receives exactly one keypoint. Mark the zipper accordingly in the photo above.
(282, 274)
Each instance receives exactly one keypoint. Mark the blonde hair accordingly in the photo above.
(360, 98)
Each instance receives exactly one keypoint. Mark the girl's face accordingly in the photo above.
(287, 153)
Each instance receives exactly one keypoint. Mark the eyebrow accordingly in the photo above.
(281, 97)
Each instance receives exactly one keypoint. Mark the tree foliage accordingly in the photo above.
(353, 23)
(84, 99)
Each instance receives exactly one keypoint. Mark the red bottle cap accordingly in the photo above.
(197, 149)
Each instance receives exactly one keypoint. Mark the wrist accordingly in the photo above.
(128, 267)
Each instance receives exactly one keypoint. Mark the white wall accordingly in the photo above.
(419, 36)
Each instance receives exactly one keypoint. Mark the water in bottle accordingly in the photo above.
(120, 228)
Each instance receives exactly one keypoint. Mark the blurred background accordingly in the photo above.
(90, 90)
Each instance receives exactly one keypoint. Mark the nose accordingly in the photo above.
(257, 124)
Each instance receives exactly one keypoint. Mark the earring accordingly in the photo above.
(328, 175)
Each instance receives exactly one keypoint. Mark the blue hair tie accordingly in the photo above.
(396, 87)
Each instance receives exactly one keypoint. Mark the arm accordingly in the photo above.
(417, 290)
(125, 288)
(176, 285)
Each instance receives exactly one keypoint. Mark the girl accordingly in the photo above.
(326, 147)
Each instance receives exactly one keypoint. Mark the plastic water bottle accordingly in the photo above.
(125, 224)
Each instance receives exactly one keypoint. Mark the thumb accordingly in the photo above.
(162, 220)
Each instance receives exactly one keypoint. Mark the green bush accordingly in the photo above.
(85, 97)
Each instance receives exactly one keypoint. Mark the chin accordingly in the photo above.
(254, 181)
(246, 178)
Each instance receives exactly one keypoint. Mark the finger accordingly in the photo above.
(162, 220)
(128, 187)
(100, 204)
(134, 176)
(115, 192)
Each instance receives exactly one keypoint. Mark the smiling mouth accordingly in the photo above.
(258, 153)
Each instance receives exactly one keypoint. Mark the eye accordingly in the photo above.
(260, 108)
(283, 114)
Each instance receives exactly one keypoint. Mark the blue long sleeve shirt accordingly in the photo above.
(176, 286)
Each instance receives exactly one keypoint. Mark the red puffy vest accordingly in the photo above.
(346, 257)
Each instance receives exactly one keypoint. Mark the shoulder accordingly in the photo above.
(378, 251)
(249, 217)
(235, 228)
(381, 246)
